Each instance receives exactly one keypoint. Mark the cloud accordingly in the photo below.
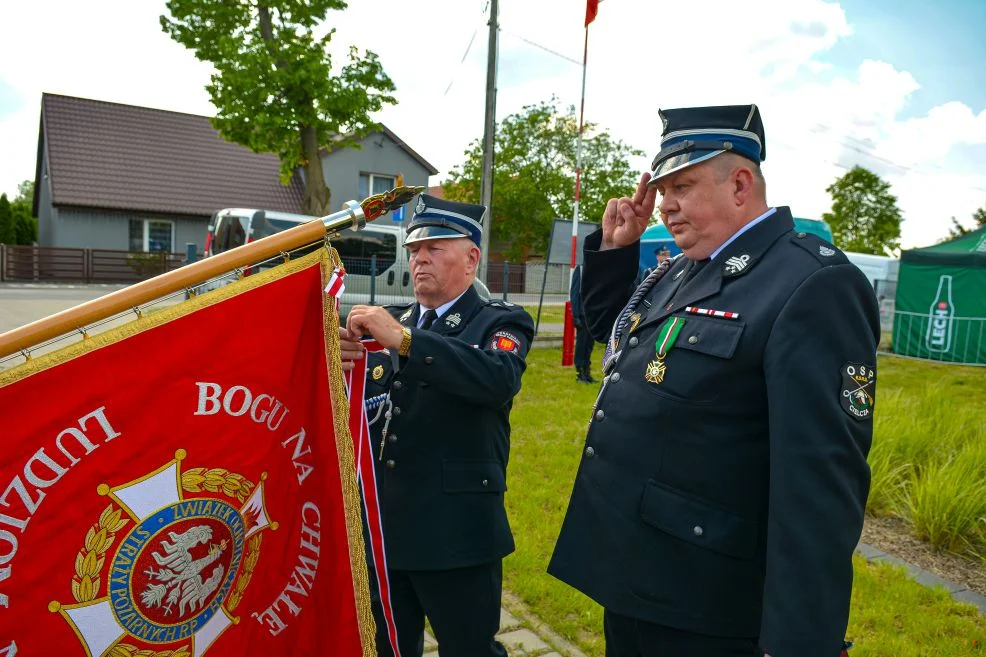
(642, 56)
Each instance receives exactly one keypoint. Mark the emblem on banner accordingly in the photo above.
(176, 550)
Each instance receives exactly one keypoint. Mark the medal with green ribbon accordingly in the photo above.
(665, 340)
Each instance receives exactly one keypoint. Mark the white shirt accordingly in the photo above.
(743, 230)
(441, 310)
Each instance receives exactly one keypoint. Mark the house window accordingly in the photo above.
(152, 235)
(374, 183)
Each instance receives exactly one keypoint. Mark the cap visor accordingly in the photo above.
(679, 162)
(431, 233)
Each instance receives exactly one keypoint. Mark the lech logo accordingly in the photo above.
(940, 317)
(189, 544)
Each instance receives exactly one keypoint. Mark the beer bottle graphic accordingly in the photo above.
(940, 316)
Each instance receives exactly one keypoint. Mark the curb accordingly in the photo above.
(513, 604)
(924, 577)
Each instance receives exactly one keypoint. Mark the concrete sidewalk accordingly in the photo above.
(521, 633)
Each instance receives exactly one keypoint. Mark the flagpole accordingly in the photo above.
(568, 338)
(353, 215)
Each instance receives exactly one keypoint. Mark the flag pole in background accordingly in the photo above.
(568, 338)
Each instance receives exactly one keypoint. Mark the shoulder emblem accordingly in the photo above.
(858, 390)
(825, 253)
(505, 341)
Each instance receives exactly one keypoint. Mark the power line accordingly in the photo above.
(544, 48)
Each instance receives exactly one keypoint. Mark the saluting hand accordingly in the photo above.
(625, 219)
(377, 322)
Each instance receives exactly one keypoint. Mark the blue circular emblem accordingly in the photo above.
(173, 571)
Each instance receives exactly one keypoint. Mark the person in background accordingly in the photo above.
(583, 339)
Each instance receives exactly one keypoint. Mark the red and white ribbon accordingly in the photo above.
(337, 284)
(363, 448)
(711, 313)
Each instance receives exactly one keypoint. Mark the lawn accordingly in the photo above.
(891, 615)
(550, 313)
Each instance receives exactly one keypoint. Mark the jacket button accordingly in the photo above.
(693, 339)
(429, 360)
(391, 464)
(801, 236)
(397, 410)
(697, 530)
(600, 415)
(398, 385)
(589, 452)
(615, 377)
(486, 482)
(392, 438)
(633, 341)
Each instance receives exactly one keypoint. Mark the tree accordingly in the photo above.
(534, 175)
(25, 225)
(274, 89)
(958, 230)
(7, 235)
(864, 217)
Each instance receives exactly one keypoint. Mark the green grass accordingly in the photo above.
(929, 451)
(891, 615)
(550, 313)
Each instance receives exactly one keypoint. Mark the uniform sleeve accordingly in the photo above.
(819, 478)
(487, 374)
(607, 283)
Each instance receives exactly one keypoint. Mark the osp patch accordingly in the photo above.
(858, 390)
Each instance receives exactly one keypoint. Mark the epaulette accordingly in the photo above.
(824, 252)
(500, 303)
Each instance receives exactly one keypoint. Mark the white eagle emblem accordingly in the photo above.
(420, 207)
(180, 576)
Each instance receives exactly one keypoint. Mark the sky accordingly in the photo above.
(897, 86)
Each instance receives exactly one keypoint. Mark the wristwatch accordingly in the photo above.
(405, 347)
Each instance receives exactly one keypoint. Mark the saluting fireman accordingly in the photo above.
(723, 480)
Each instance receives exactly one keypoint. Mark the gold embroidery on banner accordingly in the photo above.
(89, 561)
(249, 565)
(127, 650)
(347, 464)
(233, 485)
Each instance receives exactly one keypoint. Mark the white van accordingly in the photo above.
(881, 271)
(378, 248)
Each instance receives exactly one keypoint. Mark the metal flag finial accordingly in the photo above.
(380, 204)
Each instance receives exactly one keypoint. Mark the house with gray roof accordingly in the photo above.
(113, 176)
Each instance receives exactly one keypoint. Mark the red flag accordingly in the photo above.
(591, 8)
(181, 486)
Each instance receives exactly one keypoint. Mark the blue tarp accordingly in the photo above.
(657, 236)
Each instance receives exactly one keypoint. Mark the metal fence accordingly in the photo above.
(53, 265)
(959, 340)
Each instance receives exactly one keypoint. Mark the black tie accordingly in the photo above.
(694, 269)
(429, 318)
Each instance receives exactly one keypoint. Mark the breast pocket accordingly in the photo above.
(699, 364)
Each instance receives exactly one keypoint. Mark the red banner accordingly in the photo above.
(180, 486)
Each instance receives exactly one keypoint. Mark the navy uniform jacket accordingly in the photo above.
(728, 499)
(443, 473)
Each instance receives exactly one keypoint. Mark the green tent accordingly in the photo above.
(940, 310)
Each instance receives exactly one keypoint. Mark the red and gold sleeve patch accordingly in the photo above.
(505, 341)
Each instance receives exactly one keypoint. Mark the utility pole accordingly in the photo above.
(486, 186)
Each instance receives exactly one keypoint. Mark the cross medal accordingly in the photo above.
(665, 340)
